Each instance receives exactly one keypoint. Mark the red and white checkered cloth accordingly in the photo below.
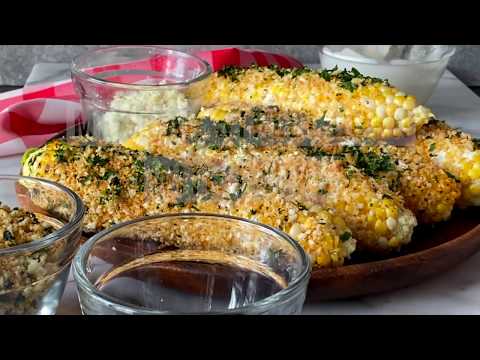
(30, 116)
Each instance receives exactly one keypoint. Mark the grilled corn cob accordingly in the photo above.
(427, 190)
(457, 153)
(360, 105)
(117, 184)
(375, 214)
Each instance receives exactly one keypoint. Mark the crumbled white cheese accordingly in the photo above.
(130, 112)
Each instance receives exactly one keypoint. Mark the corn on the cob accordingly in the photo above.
(117, 184)
(457, 153)
(360, 105)
(427, 190)
(376, 215)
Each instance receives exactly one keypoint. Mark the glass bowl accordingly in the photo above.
(418, 78)
(33, 274)
(191, 264)
(124, 88)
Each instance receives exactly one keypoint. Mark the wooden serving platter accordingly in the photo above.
(433, 250)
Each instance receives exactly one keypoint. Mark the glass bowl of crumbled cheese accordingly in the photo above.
(40, 231)
(123, 89)
(413, 69)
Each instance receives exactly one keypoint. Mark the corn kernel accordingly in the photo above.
(442, 208)
(397, 132)
(379, 100)
(400, 114)
(380, 212)
(474, 188)
(390, 109)
(392, 212)
(388, 123)
(376, 122)
(466, 166)
(394, 242)
(391, 223)
(358, 121)
(409, 132)
(389, 100)
(380, 111)
(398, 100)
(409, 103)
(406, 123)
(381, 227)
(474, 172)
(387, 133)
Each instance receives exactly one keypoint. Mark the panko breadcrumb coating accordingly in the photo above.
(360, 105)
(117, 184)
(376, 215)
(457, 153)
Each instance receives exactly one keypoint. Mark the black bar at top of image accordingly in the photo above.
(260, 22)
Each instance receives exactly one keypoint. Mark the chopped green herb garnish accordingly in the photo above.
(370, 162)
(321, 122)
(300, 206)
(476, 144)
(177, 204)
(345, 236)
(231, 72)
(450, 175)
(108, 174)
(217, 178)
(84, 179)
(323, 191)
(63, 153)
(240, 190)
(173, 126)
(309, 150)
(27, 154)
(431, 147)
(8, 236)
(97, 160)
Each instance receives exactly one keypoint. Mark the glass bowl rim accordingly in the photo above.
(447, 56)
(76, 71)
(57, 234)
(79, 264)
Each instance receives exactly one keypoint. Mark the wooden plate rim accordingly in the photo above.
(398, 261)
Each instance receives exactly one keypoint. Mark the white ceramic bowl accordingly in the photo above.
(416, 78)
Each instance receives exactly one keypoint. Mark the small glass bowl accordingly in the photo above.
(125, 88)
(33, 275)
(419, 78)
(191, 264)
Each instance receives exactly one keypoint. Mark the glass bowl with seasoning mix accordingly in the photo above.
(40, 231)
(191, 264)
(124, 88)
